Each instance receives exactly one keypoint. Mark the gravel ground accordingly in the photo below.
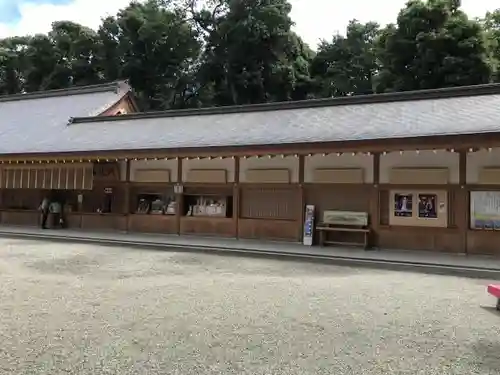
(80, 309)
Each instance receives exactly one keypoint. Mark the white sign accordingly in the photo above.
(308, 226)
(485, 210)
(178, 189)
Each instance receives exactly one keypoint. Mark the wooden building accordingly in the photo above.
(424, 166)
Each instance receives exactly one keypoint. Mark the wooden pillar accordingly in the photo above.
(302, 194)
(127, 193)
(179, 198)
(236, 196)
(375, 199)
(459, 205)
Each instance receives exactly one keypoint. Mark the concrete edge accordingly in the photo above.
(391, 265)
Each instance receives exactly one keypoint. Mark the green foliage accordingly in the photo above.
(346, 65)
(432, 45)
(154, 47)
(12, 64)
(491, 26)
(197, 53)
(251, 55)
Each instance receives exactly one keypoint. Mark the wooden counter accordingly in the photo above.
(151, 223)
(96, 221)
(73, 220)
(205, 225)
(21, 217)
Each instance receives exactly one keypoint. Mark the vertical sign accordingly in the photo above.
(308, 226)
(178, 189)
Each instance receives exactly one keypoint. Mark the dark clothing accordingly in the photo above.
(44, 208)
(45, 216)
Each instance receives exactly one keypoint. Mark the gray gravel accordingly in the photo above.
(79, 309)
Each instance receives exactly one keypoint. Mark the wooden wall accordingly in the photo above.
(274, 211)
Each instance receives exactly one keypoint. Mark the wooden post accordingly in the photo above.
(127, 194)
(302, 195)
(179, 198)
(460, 207)
(374, 220)
(236, 196)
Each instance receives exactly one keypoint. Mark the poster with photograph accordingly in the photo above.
(427, 206)
(485, 210)
(403, 205)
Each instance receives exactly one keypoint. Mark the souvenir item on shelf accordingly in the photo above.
(143, 207)
(171, 208)
(210, 207)
(157, 207)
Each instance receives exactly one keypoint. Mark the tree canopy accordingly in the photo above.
(199, 53)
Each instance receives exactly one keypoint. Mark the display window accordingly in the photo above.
(485, 210)
(153, 200)
(155, 204)
(419, 208)
(208, 205)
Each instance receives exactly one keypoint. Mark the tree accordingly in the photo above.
(153, 46)
(250, 53)
(43, 69)
(65, 57)
(347, 64)
(491, 26)
(433, 45)
(12, 65)
(77, 49)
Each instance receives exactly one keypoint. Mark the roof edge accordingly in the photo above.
(443, 93)
(115, 86)
(484, 139)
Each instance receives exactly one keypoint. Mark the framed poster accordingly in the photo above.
(403, 205)
(485, 210)
(427, 206)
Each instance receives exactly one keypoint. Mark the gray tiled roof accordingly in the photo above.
(38, 122)
(42, 126)
(461, 115)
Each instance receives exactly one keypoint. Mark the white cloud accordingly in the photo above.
(315, 19)
(321, 19)
(37, 18)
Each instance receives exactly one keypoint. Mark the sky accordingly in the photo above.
(314, 19)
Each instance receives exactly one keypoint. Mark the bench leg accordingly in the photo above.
(498, 304)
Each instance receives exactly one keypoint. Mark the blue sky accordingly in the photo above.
(315, 19)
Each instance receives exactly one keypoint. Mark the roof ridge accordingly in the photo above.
(75, 90)
(403, 96)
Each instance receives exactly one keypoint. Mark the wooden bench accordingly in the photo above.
(494, 290)
(344, 222)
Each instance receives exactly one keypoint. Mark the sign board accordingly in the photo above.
(345, 218)
(308, 226)
(178, 189)
(108, 171)
(485, 210)
(108, 190)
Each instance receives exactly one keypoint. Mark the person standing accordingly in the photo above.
(44, 208)
(55, 210)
